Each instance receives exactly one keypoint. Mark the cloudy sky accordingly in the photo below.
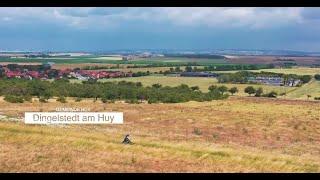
(97, 29)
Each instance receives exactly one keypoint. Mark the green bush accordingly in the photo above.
(13, 99)
(43, 100)
(259, 92)
(78, 99)
(104, 100)
(233, 90)
(250, 90)
(27, 98)
(62, 99)
(271, 94)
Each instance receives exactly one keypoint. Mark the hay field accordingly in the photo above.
(234, 135)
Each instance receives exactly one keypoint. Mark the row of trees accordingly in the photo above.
(17, 90)
(249, 90)
(259, 92)
(218, 67)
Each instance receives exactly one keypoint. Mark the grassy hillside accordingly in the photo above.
(312, 88)
(234, 135)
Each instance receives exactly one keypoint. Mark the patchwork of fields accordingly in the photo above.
(234, 135)
(239, 134)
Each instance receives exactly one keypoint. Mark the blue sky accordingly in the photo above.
(98, 29)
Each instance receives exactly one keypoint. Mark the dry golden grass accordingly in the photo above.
(234, 135)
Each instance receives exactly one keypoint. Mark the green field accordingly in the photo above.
(312, 88)
(203, 83)
(116, 60)
(295, 70)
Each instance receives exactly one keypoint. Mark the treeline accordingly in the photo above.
(243, 76)
(200, 56)
(18, 90)
(164, 64)
(100, 67)
(232, 67)
(259, 92)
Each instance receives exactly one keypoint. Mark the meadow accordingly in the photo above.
(202, 82)
(244, 134)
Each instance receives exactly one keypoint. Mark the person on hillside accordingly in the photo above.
(127, 140)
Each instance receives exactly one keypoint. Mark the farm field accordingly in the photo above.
(294, 70)
(272, 59)
(234, 135)
(181, 60)
(114, 60)
(202, 82)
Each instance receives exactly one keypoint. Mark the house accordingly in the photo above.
(275, 81)
(293, 82)
(33, 74)
(13, 74)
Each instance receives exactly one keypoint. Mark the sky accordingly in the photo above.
(177, 28)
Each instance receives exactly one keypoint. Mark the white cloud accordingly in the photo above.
(186, 16)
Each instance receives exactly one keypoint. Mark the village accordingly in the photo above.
(45, 71)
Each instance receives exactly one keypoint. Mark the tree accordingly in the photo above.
(317, 77)
(249, 90)
(222, 89)
(212, 88)
(188, 68)
(305, 78)
(233, 90)
(259, 92)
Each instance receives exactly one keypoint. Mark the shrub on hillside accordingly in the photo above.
(62, 99)
(13, 99)
(43, 100)
(259, 92)
(197, 131)
(233, 90)
(271, 94)
(78, 99)
(27, 98)
(250, 90)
